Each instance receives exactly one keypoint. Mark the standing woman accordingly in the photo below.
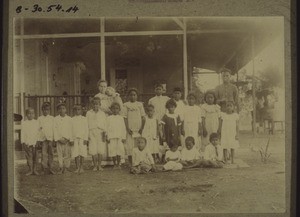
(105, 105)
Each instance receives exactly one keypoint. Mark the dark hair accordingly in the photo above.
(225, 70)
(77, 106)
(177, 89)
(115, 104)
(228, 102)
(171, 102)
(101, 81)
(212, 93)
(96, 99)
(132, 90)
(28, 109)
(213, 136)
(149, 106)
(142, 138)
(190, 138)
(60, 105)
(46, 105)
(158, 85)
(191, 94)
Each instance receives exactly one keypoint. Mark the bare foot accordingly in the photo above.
(35, 173)
(81, 170)
(51, 172)
(95, 168)
(60, 171)
(76, 171)
(100, 168)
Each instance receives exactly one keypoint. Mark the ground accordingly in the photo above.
(258, 188)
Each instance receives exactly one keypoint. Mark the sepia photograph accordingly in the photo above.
(149, 115)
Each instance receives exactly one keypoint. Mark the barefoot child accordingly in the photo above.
(150, 132)
(211, 116)
(29, 138)
(97, 130)
(63, 137)
(46, 136)
(142, 160)
(229, 127)
(80, 133)
(192, 121)
(134, 115)
(173, 158)
(116, 135)
(171, 125)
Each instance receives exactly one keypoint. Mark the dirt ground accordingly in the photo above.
(258, 188)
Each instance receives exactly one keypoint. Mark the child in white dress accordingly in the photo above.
(116, 135)
(150, 132)
(46, 137)
(97, 133)
(173, 158)
(63, 138)
(29, 139)
(229, 126)
(192, 121)
(142, 160)
(80, 132)
(211, 113)
(189, 154)
(134, 115)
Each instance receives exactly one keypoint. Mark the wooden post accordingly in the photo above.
(237, 81)
(185, 69)
(102, 48)
(21, 69)
(253, 87)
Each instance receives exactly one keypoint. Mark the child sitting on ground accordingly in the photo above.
(213, 151)
(116, 135)
(142, 160)
(173, 158)
(29, 138)
(189, 154)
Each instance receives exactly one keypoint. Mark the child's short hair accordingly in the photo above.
(115, 104)
(142, 138)
(149, 106)
(177, 89)
(158, 85)
(171, 103)
(191, 95)
(132, 90)
(212, 93)
(28, 110)
(101, 81)
(76, 106)
(224, 70)
(230, 102)
(46, 105)
(60, 105)
(96, 99)
(213, 136)
(190, 138)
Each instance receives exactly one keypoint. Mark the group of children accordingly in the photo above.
(165, 134)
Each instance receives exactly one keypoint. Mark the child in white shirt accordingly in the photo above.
(151, 133)
(142, 160)
(29, 138)
(97, 133)
(46, 137)
(213, 151)
(177, 94)
(173, 158)
(80, 134)
(63, 137)
(116, 135)
(189, 154)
